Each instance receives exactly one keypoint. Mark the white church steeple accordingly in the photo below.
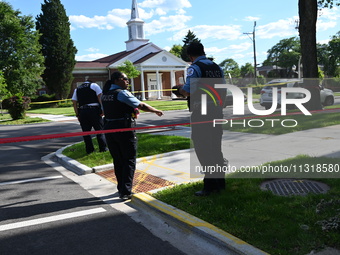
(136, 29)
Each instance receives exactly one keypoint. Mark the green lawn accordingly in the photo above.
(5, 119)
(276, 224)
(67, 111)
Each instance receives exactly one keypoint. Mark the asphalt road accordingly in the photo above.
(44, 212)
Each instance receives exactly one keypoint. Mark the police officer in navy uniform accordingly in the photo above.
(121, 109)
(202, 75)
(87, 106)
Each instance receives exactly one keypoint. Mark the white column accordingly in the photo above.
(132, 85)
(172, 82)
(142, 85)
(159, 96)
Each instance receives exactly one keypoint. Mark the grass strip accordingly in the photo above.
(8, 121)
(276, 224)
(148, 145)
(66, 111)
(69, 111)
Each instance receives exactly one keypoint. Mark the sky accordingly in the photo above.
(98, 28)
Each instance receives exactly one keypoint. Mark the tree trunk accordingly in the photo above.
(308, 12)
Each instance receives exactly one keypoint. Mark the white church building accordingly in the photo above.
(160, 70)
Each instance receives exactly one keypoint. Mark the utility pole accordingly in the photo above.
(254, 47)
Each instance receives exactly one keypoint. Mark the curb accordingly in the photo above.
(194, 225)
(71, 164)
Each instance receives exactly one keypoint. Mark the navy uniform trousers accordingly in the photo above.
(207, 141)
(90, 118)
(123, 149)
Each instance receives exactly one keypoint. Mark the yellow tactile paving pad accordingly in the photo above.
(142, 181)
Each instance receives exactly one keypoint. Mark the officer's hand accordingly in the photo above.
(159, 113)
(176, 89)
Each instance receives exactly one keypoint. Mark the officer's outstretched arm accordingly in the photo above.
(148, 108)
(178, 90)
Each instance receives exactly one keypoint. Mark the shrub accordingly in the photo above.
(17, 106)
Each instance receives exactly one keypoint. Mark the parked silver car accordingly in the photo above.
(327, 95)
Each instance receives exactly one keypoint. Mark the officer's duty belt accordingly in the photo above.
(118, 119)
(88, 106)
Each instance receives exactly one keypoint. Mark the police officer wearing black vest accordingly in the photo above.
(202, 75)
(87, 106)
(121, 109)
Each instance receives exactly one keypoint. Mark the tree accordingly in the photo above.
(230, 66)
(329, 56)
(308, 13)
(247, 69)
(3, 90)
(20, 59)
(189, 38)
(285, 54)
(176, 50)
(130, 70)
(334, 55)
(57, 47)
(323, 55)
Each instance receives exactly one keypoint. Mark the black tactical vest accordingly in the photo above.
(211, 75)
(113, 108)
(86, 95)
(209, 71)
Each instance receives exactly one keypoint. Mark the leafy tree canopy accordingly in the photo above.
(129, 69)
(247, 69)
(176, 50)
(334, 56)
(230, 66)
(328, 3)
(20, 59)
(285, 53)
(3, 85)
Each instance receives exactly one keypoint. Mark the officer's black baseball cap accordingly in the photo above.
(195, 49)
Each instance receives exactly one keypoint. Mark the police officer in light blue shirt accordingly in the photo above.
(121, 110)
(206, 138)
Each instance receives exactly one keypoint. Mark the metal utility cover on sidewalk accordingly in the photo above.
(287, 187)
